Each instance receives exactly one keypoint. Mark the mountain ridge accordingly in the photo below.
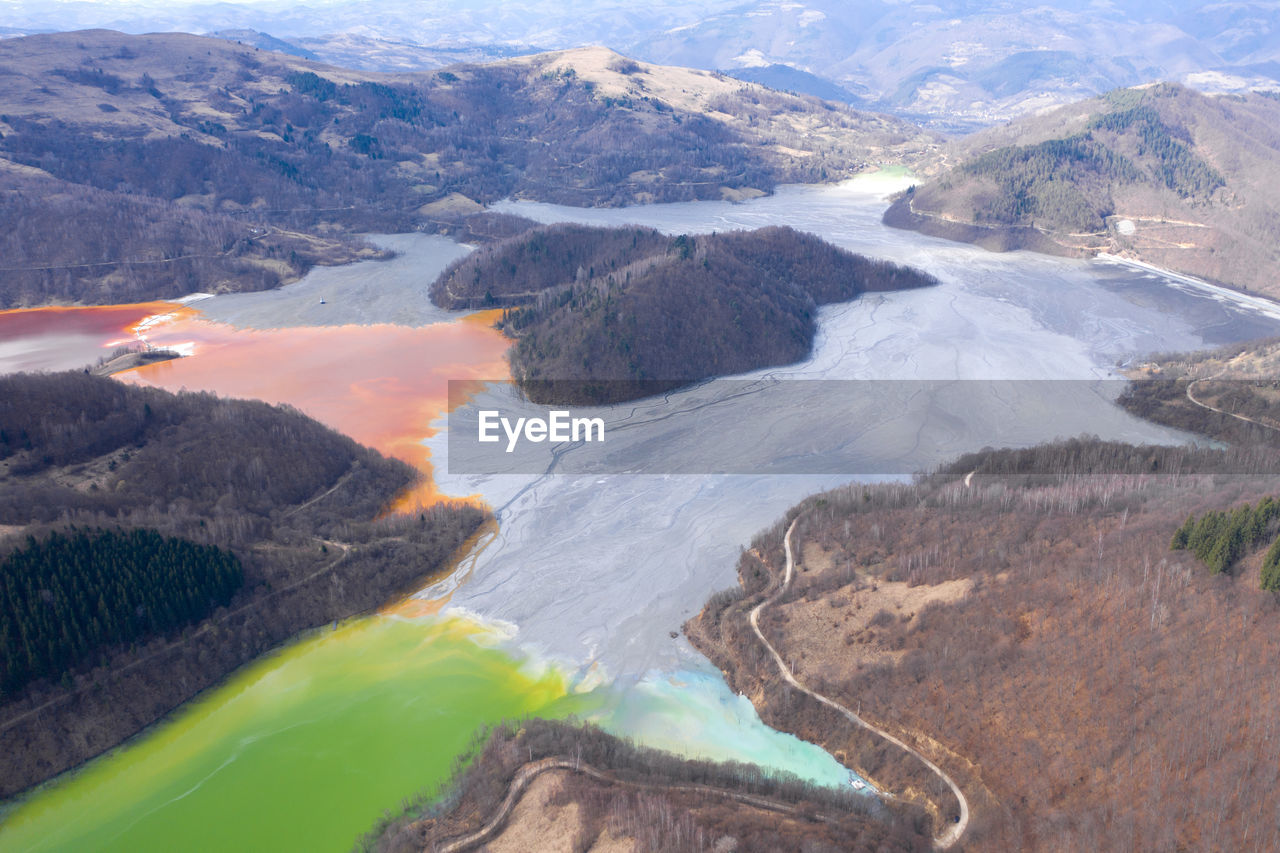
(267, 142)
(1157, 173)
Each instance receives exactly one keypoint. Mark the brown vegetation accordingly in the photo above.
(1230, 393)
(234, 167)
(67, 243)
(1159, 173)
(1090, 689)
(298, 504)
(605, 791)
(608, 314)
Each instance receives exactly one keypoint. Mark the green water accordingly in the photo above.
(303, 750)
(306, 748)
(892, 172)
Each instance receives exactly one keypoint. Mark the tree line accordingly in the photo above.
(71, 594)
(1219, 538)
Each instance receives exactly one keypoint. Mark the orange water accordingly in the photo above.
(382, 385)
(100, 319)
(59, 338)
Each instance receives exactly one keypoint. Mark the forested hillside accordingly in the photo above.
(249, 164)
(1159, 173)
(1230, 393)
(1020, 618)
(70, 595)
(240, 522)
(515, 272)
(66, 243)
(644, 798)
(604, 315)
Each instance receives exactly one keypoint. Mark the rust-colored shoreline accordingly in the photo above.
(382, 384)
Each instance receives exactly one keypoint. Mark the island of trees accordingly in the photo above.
(602, 315)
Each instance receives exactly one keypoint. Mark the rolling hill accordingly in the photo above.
(254, 160)
(959, 65)
(602, 315)
(1158, 173)
(279, 522)
(951, 63)
(1020, 618)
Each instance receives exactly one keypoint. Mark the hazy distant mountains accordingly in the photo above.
(367, 53)
(953, 59)
(949, 62)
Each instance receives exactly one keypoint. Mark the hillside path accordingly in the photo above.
(955, 830)
(527, 773)
(1203, 405)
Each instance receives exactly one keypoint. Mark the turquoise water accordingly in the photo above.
(693, 713)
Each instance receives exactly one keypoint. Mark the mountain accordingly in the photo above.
(263, 41)
(788, 79)
(371, 53)
(950, 63)
(1159, 173)
(437, 23)
(282, 156)
(958, 64)
(945, 61)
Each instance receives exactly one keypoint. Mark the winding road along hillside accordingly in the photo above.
(954, 831)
